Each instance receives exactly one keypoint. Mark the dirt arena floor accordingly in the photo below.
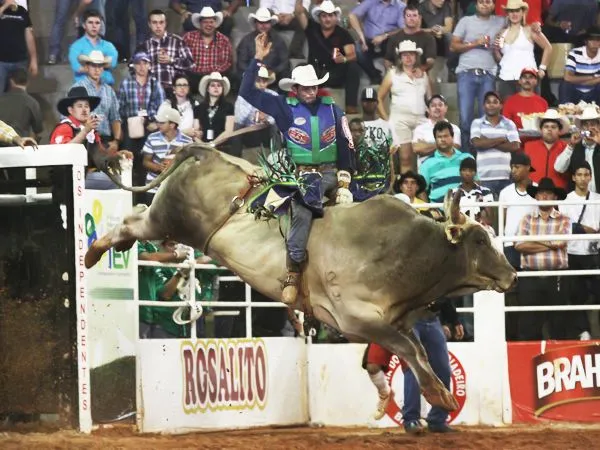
(476, 438)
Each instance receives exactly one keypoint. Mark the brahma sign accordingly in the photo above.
(552, 380)
(219, 375)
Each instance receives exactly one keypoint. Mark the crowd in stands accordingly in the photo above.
(514, 140)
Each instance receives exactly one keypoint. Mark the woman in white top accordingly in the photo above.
(513, 48)
(410, 88)
(183, 101)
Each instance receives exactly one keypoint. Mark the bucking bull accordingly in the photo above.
(373, 267)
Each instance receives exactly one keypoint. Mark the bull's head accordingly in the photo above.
(486, 267)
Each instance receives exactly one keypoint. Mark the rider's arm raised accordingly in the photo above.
(346, 155)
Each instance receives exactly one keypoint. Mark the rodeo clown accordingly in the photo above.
(318, 141)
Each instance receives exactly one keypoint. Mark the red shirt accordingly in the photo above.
(542, 160)
(518, 103)
(535, 9)
(64, 132)
(216, 57)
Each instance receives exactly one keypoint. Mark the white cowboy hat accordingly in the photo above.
(215, 76)
(408, 46)
(552, 114)
(95, 57)
(516, 4)
(304, 76)
(207, 13)
(263, 72)
(263, 15)
(327, 7)
(166, 113)
(590, 112)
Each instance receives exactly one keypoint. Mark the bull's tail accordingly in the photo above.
(185, 153)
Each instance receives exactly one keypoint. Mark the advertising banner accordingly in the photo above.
(224, 383)
(554, 380)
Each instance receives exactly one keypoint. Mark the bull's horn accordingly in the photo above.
(452, 207)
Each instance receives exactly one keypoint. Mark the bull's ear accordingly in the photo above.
(454, 233)
(452, 207)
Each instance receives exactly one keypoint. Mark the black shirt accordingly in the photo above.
(212, 118)
(320, 48)
(12, 35)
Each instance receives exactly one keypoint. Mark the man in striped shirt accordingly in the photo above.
(442, 170)
(161, 146)
(494, 137)
(543, 255)
(582, 71)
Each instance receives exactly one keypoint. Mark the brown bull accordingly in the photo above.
(373, 267)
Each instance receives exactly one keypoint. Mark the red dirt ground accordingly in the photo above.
(476, 438)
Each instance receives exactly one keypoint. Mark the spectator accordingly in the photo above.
(287, 20)
(535, 12)
(410, 89)
(214, 109)
(542, 255)
(79, 126)
(331, 48)
(120, 18)
(470, 190)
(476, 71)
(89, 5)
(582, 255)
(140, 96)
(278, 59)
(377, 131)
(10, 137)
(169, 54)
(109, 128)
(423, 142)
(520, 169)
(187, 8)
(543, 152)
(582, 71)
(526, 101)
(61, 8)
(412, 31)
(568, 20)
(185, 104)
(91, 41)
(442, 170)
(438, 20)
(494, 138)
(374, 21)
(584, 146)
(161, 146)
(413, 186)
(210, 49)
(514, 48)
(18, 49)
(20, 109)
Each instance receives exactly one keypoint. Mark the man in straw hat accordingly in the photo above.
(300, 117)
(211, 50)
(187, 8)
(543, 152)
(584, 146)
(278, 60)
(79, 126)
(331, 47)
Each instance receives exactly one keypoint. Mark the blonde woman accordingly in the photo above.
(410, 88)
(513, 48)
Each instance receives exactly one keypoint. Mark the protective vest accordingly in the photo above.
(311, 140)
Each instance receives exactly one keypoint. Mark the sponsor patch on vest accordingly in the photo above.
(299, 121)
(298, 136)
(328, 135)
(347, 134)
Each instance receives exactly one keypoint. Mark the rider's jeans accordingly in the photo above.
(431, 335)
(302, 220)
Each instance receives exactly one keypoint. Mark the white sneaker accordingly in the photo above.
(382, 405)
(585, 336)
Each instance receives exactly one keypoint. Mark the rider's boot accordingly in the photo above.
(291, 285)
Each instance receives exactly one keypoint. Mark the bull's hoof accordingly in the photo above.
(442, 398)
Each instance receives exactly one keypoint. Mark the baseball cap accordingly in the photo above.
(369, 94)
(140, 56)
(530, 70)
(521, 159)
(438, 96)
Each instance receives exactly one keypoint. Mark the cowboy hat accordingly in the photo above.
(326, 7)
(594, 30)
(304, 76)
(263, 72)
(74, 94)
(215, 76)
(263, 15)
(590, 112)
(546, 184)
(516, 4)
(408, 46)
(553, 115)
(421, 183)
(166, 113)
(207, 13)
(95, 57)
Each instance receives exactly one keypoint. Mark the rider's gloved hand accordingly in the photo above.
(343, 194)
